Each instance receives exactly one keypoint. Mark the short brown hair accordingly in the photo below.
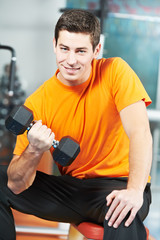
(80, 21)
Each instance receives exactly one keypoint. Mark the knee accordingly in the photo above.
(3, 185)
(3, 176)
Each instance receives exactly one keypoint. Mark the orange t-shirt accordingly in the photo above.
(89, 113)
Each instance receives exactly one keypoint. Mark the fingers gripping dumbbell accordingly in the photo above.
(20, 120)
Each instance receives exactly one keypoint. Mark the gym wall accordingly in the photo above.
(28, 27)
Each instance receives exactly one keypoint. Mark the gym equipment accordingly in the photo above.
(11, 94)
(12, 68)
(94, 231)
(21, 119)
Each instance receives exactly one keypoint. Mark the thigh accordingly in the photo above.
(136, 231)
(49, 197)
(95, 194)
(94, 197)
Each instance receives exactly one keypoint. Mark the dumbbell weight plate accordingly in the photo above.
(24, 120)
(66, 151)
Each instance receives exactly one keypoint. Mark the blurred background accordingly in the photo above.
(130, 29)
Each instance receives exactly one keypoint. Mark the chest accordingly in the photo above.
(80, 114)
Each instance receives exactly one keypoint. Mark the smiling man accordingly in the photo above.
(74, 54)
(102, 104)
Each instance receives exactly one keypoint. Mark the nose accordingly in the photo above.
(71, 58)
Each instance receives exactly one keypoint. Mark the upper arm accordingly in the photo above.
(135, 119)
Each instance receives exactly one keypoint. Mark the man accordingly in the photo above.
(101, 104)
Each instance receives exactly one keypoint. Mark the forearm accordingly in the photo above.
(131, 199)
(22, 170)
(136, 125)
(140, 158)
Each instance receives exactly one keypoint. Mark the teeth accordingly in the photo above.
(71, 68)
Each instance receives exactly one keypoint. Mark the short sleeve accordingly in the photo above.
(126, 86)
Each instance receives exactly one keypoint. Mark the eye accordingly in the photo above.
(64, 49)
(81, 51)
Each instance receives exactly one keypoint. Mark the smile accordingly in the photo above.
(71, 70)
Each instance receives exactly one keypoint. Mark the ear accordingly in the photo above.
(97, 50)
(54, 45)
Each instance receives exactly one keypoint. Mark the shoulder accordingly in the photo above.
(41, 90)
(109, 61)
(117, 68)
(109, 68)
(38, 98)
(109, 64)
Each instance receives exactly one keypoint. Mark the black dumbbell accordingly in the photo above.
(20, 119)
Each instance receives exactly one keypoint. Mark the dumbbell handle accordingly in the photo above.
(55, 143)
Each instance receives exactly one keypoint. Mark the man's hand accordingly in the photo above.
(121, 203)
(40, 137)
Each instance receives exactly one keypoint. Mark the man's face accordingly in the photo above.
(74, 55)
